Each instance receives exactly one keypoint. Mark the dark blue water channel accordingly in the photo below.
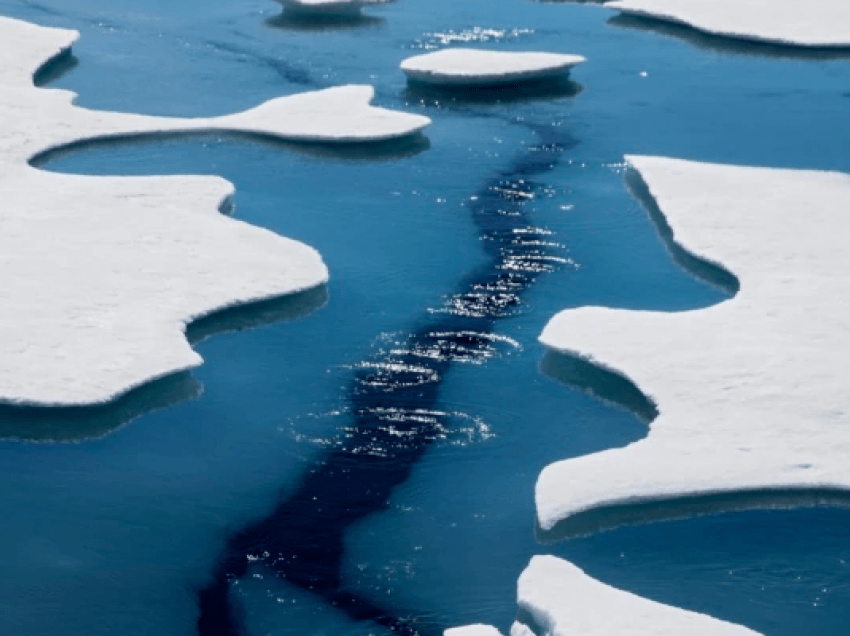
(412, 386)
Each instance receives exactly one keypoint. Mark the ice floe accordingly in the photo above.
(558, 599)
(814, 23)
(752, 399)
(329, 7)
(475, 67)
(564, 601)
(473, 630)
(100, 275)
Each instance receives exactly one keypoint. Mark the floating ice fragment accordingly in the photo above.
(562, 600)
(751, 392)
(813, 23)
(474, 67)
(473, 630)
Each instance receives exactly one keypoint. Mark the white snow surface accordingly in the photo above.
(751, 392)
(564, 601)
(473, 630)
(469, 67)
(792, 22)
(100, 275)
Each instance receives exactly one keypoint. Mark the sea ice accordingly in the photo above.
(751, 392)
(474, 67)
(473, 630)
(559, 599)
(564, 601)
(101, 275)
(820, 23)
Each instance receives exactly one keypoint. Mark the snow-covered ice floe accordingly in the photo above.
(473, 630)
(329, 7)
(556, 598)
(474, 67)
(561, 600)
(813, 23)
(752, 393)
(100, 275)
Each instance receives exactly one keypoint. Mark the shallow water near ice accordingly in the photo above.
(118, 532)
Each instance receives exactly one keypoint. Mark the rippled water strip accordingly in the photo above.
(394, 402)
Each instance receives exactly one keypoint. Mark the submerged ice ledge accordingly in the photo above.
(751, 393)
(101, 275)
(813, 23)
(555, 598)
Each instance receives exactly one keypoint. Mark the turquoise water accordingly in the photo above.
(117, 532)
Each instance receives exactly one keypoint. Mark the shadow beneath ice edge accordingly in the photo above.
(316, 22)
(712, 273)
(366, 151)
(729, 45)
(608, 386)
(78, 423)
(419, 93)
(684, 507)
(60, 64)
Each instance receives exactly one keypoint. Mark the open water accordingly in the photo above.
(361, 459)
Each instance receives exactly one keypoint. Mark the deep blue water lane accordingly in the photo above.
(105, 531)
(394, 406)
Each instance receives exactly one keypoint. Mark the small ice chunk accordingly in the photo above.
(475, 67)
(564, 601)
